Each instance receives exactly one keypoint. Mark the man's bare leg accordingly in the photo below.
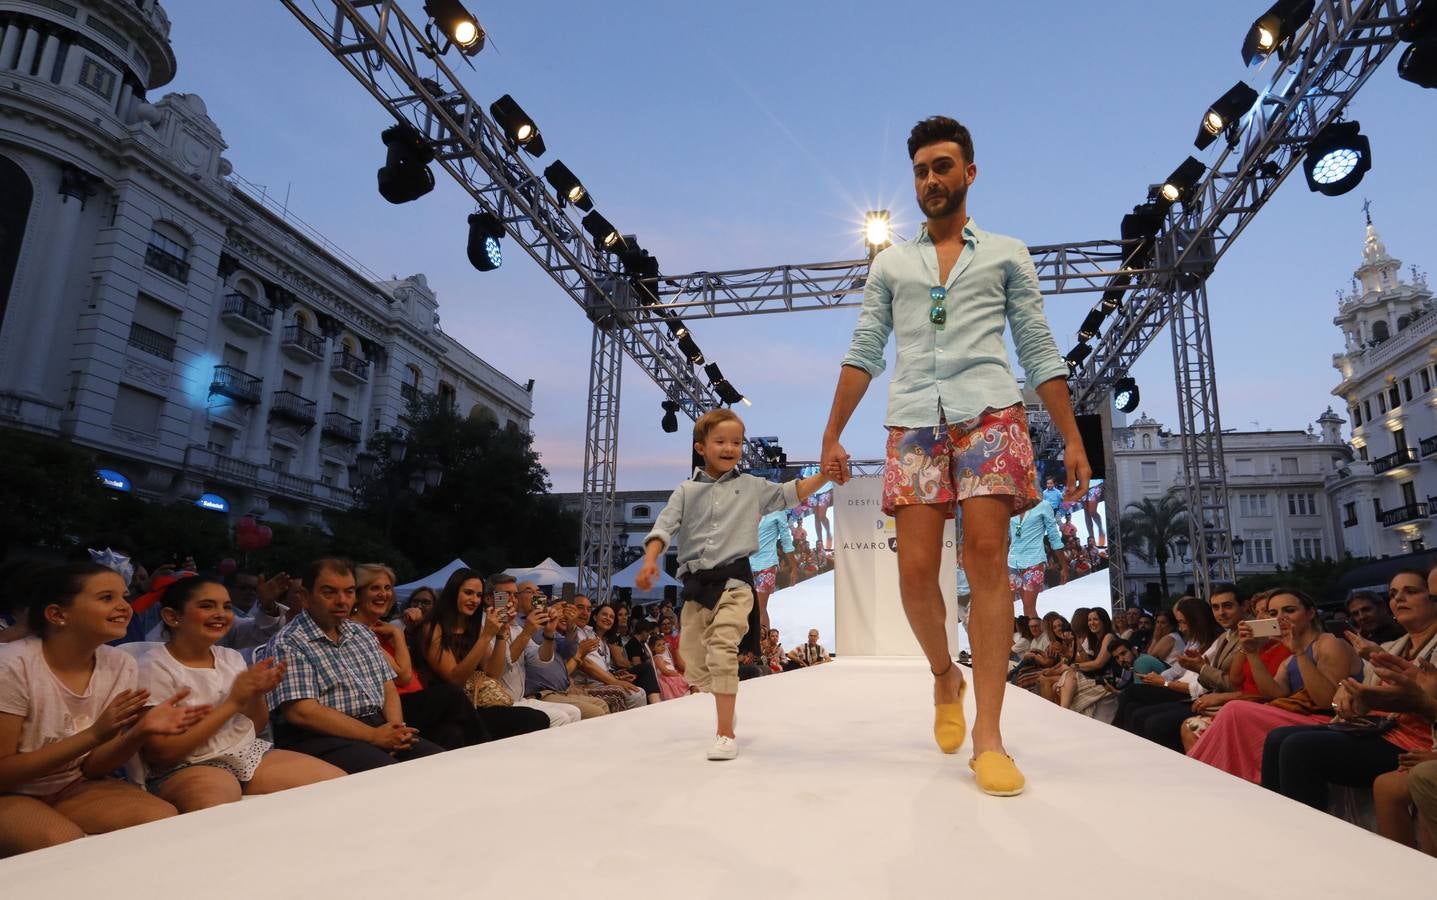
(990, 621)
(920, 550)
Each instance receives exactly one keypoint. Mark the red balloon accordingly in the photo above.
(264, 535)
(246, 524)
(227, 566)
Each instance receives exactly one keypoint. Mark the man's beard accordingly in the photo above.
(951, 204)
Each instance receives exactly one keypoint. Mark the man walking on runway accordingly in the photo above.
(957, 433)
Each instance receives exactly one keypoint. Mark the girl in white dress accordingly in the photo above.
(220, 758)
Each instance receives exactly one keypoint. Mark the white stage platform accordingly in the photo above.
(839, 793)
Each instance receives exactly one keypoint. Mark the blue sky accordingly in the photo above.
(750, 134)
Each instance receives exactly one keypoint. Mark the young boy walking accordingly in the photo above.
(713, 518)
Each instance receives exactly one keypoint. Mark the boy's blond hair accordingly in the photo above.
(712, 419)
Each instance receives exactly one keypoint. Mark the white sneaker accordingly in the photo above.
(723, 748)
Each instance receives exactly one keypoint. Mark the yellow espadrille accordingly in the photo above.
(950, 728)
(997, 774)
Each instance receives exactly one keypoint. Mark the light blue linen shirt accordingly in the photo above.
(1025, 537)
(961, 368)
(716, 522)
(772, 533)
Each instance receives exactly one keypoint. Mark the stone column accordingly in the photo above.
(310, 465)
(10, 45)
(48, 51)
(28, 48)
(46, 306)
(256, 446)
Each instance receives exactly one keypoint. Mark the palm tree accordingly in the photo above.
(1148, 528)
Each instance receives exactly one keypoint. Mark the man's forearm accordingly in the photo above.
(852, 384)
(311, 715)
(1059, 404)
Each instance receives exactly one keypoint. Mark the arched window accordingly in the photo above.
(1380, 332)
(302, 319)
(169, 251)
(16, 188)
(641, 512)
(1403, 322)
(447, 394)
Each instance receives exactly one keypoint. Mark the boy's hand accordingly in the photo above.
(648, 574)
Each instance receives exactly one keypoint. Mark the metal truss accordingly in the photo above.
(385, 51)
(601, 457)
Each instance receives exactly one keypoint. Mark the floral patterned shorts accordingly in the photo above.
(1029, 579)
(765, 580)
(945, 464)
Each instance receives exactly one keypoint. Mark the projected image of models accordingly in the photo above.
(1082, 525)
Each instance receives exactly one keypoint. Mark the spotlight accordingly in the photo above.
(1141, 226)
(1273, 27)
(1075, 357)
(645, 278)
(606, 236)
(877, 231)
(1111, 300)
(676, 327)
(1092, 324)
(726, 391)
(670, 422)
(1419, 61)
(691, 349)
(1179, 185)
(405, 175)
(517, 125)
(1336, 159)
(1125, 394)
(458, 25)
(485, 230)
(567, 186)
(1225, 113)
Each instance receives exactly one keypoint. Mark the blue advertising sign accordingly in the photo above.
(213, 502)
(113, 480)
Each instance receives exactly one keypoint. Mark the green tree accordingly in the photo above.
(492, 507)
(1318, 578)
(1148, 528)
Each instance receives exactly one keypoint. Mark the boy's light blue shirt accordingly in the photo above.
(772, 533)
(715, 522)
(1026, 533)
(961, 368)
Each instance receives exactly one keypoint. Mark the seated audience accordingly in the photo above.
(672, 685)
(1111, 684)
(1301, 761)
(417, 607)
(219, 758)
(460, 643)
(1164, 647)
(594, 676)
(1172, 691)
(1372, 618)
(1300, 692)
(1244, 687)
(337, 699)
(810, 653)
(1093, 665)
(1025, 672)
(636, 649)
(531, 635)
(550, 681)
(1065, 655)
(263, 617)
(637, 672)
(71, 714)
(441, 711)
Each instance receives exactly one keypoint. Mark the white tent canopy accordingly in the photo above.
(627, 578)
(546, 574)
(434, 580)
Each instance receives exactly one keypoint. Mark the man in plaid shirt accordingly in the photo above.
(337, 699)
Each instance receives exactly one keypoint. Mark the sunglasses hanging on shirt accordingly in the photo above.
(937, 314)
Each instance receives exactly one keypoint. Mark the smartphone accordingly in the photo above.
(567, 594)
(1265, 628)
(538, 602)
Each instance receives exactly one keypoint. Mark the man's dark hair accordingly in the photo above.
(1119, 643)
(1367, 596)
(499, 578)
(936, 130)
(1225, 587)
(333, 564)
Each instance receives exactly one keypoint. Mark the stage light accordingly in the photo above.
(1125, 394)
(676, 326)
(877, 231)
(1179, 185)
(606, 236)
(405, 175)
(1075, 357)
(691, 349)
(644, 276)
(485, 230)
(726, 391)
(567, 186)
(457, 24)
(1336, 159)
(670, 422)
(1418, 63)
(1225, 113)
(1273, 27)
(517, 125)
(1091, 324)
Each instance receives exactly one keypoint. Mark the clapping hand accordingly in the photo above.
(272, 590)
(1192, 659)
(587, 646)
(119, 714)
(169, 718)
(1362, 645)
(259, 679)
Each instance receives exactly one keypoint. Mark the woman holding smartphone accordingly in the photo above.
(1300, 692)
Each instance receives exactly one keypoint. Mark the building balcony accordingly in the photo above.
(1428, 447)
(1403, 456)
(341, 427)
(167, 263)
(348, 368)
(247, 316)
(152, 341)
(1412, 512)
(291, 406)
(301, 344)
(242, 387)
(294, 485)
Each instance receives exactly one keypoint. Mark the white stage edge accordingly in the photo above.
(839, 793)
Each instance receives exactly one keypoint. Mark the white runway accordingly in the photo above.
(839, 793)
